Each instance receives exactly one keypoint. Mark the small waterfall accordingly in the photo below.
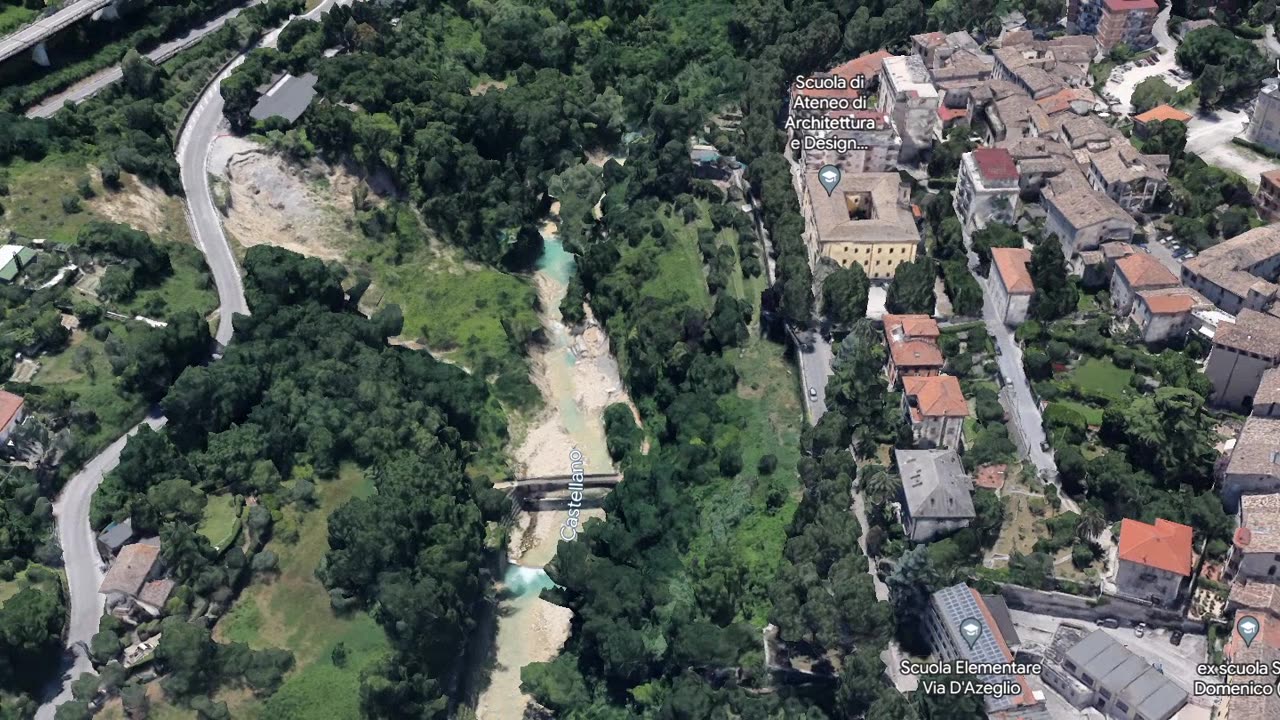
(522, 581)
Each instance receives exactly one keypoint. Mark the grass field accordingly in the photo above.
(188, 288)
(292, 611)
(221, 521)
(1092, 415)
(22, 581)
(92, 385)
(680, 265)
(1102, 376)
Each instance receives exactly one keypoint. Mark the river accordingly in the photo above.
(578, 378)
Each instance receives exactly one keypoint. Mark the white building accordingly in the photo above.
(986, 188)
(1084, 218)
(936, 408)
(911, 101)
(1264, 125)
(1155, 561)
(1254, 466)
(1137, 273)
(1238, 273)
(1164, 314)
(1255, 551)
(936, 493)
(1011, 284)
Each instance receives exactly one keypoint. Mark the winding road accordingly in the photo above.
(84, 567)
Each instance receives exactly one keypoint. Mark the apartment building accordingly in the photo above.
(1128, 22)
(1254, 465)
(910, 100)
(935, 407)
(1129, 177)
(1264, 124)
(1084, 218)
(986, 188)
(1137, 273)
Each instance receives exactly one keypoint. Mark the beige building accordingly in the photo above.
(1267, 199)
(986, 188)
(1242, 352)
(1255, 549)
(1154, 560)
(1137, 273)
(134, 579)
(936, 408)
(1127, 176)
(1264, 124)
(1084, 218)
(1128, 22)
(1254, 466)
(1011, 284)
(1165, 314)
(1238, 273)
(866, 220)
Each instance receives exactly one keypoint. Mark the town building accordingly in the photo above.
(1134, 274)
(872, 141)
(986, 188)
(13, 258)
(12, 413)
(1154, 561)
(1005, 112)
(909, 99)
(1127, 22)
(937, 495)
(1097, 671)
(1166, 314)
(1127, 176)
(1238, 273)
(288, 97)
(1068, 102)
(1254, 465)
(1264, 124)
(1267, 198)
(1191, 26)
(936, 408)
(913, 346)
(952, 606)
(1255, 548)
(1242, 352)
(866, 219)
(1261, 600)
(134, 580)
(1011, 285)
(1084, 218)
(113, 537)
(1143, 123)
(954, 61)
(1042, 68)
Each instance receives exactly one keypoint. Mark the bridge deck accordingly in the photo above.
(40, 30)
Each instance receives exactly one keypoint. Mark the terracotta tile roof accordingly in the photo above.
(1272, 176)
(156, 593)
(867, 66)
(1127, 5)
(130, 569)
(995, 164)
(948, 114)
(912, 340)
(936, 396)
(1164, 546)
(1167, 304)
(10, 406)
(1011, 264)
(1162, 112)
(1142, 272)
(1062, 100)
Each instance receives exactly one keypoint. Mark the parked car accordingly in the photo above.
(1176, 637)
(1108, 623)
(1140, 629)
(813, 393)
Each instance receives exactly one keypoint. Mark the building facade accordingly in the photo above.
(1242, 352)
(1238, 273)
(1011, 286)
(1264, 124)
(1255, 549)
(936, 408)
(1267, 198)
(910, 100)
(913, 346)
(1154, 561)
(1137, 273)
(1254, 465)
(1084, 218)
(866, 219)
(936, 494)
(1163, 316)
(1128, 22)
(986, 188)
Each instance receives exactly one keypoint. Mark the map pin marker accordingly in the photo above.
(970, 630)
(1248, 627)
(829, 176)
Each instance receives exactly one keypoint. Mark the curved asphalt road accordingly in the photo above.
(84, 567)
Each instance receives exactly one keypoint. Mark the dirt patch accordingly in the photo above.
(142, 206)
(486, 86)
(307, 209)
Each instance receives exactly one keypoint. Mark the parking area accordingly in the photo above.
(1177, 662)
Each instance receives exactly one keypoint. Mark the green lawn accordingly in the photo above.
(292, 611)
(1092, 415)
(1102, 376)
(221, 521)
(680, 265)
(13, 17)
(92, 385)
(188, 288)
(22, 581)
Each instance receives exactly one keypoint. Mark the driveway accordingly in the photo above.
(1209, 136)
(1123, 87)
